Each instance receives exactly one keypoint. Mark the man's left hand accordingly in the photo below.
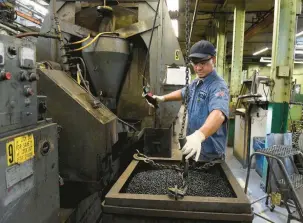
(193, 145)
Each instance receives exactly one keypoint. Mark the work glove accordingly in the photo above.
(193, 145)
(159, 100)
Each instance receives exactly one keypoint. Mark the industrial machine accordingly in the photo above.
(93, 67)
(29, 189)
(251, 115)
(93, 78)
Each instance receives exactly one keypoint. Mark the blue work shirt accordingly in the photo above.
(206, 95)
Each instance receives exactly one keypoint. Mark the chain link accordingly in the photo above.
(181, 191)
(187, 40)
(162, 166)
(141, 157)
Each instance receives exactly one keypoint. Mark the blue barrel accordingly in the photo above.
(259, 143)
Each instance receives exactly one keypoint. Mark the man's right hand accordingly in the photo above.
(159, 100)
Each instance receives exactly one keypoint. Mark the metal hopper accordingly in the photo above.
(107, 60)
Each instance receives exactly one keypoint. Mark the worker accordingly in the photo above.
(207, 106)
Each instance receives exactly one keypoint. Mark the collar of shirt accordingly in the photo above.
(209, 77)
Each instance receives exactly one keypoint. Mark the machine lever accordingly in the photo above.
(182, 142)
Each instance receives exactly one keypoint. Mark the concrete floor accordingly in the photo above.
(279, 215)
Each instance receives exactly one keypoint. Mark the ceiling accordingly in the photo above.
(258, 26)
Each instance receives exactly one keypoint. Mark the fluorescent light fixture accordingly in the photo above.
(299, 52)
(299, 47)
(172, 5)
(299, 34)
(261, 51)
(265, 59)
(268, 60)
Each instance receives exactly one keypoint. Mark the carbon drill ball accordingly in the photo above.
(157, 182)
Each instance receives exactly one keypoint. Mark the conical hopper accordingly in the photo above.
(106, 61)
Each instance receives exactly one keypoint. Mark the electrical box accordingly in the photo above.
(29, 176)
(18, 83)
(27, 57)
(283, 71)
(29, 189)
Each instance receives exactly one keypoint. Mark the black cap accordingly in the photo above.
(202, 49)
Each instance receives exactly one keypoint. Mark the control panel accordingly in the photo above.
(18, 83)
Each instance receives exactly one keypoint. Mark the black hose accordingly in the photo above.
(36, 34)
(129, 125)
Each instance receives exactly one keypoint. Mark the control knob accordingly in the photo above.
(5, 76)
(12, 50)
(33, 77)
(24, 76)
(28, 92)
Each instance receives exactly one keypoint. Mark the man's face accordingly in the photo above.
(203, 68)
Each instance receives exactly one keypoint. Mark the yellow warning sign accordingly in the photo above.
(10, 153)
(177, 54)
(20, 149)
(276, 199)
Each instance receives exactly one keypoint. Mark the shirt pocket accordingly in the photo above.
(190, 95)
(199, 114)
(201, 97)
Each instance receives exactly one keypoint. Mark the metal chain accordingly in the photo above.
(181, 191)
(187, 40)
(141, 157)
(160, 166)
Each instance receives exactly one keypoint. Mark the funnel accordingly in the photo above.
(106, 60)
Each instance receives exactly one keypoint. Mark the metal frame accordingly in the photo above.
(287, 179)
(238, 44)
(164, 46)
(190, 207)
(221, 46)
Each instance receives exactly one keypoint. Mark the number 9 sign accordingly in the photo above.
(10, 153)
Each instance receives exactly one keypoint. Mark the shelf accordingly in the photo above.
(280, 151)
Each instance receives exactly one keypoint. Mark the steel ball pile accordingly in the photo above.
(157, 182)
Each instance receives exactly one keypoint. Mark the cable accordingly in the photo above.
(265, 92)
(78, 42)
(129, 125)
(91, 42)
(83, 64)
(8, 29)
(150, 40)
(36, 34)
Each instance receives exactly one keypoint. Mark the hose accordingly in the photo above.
(8, 29)
(129, 125)
(36, 34)
(91, 42)
(84, 82)
(78, 42)
(83, 64)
